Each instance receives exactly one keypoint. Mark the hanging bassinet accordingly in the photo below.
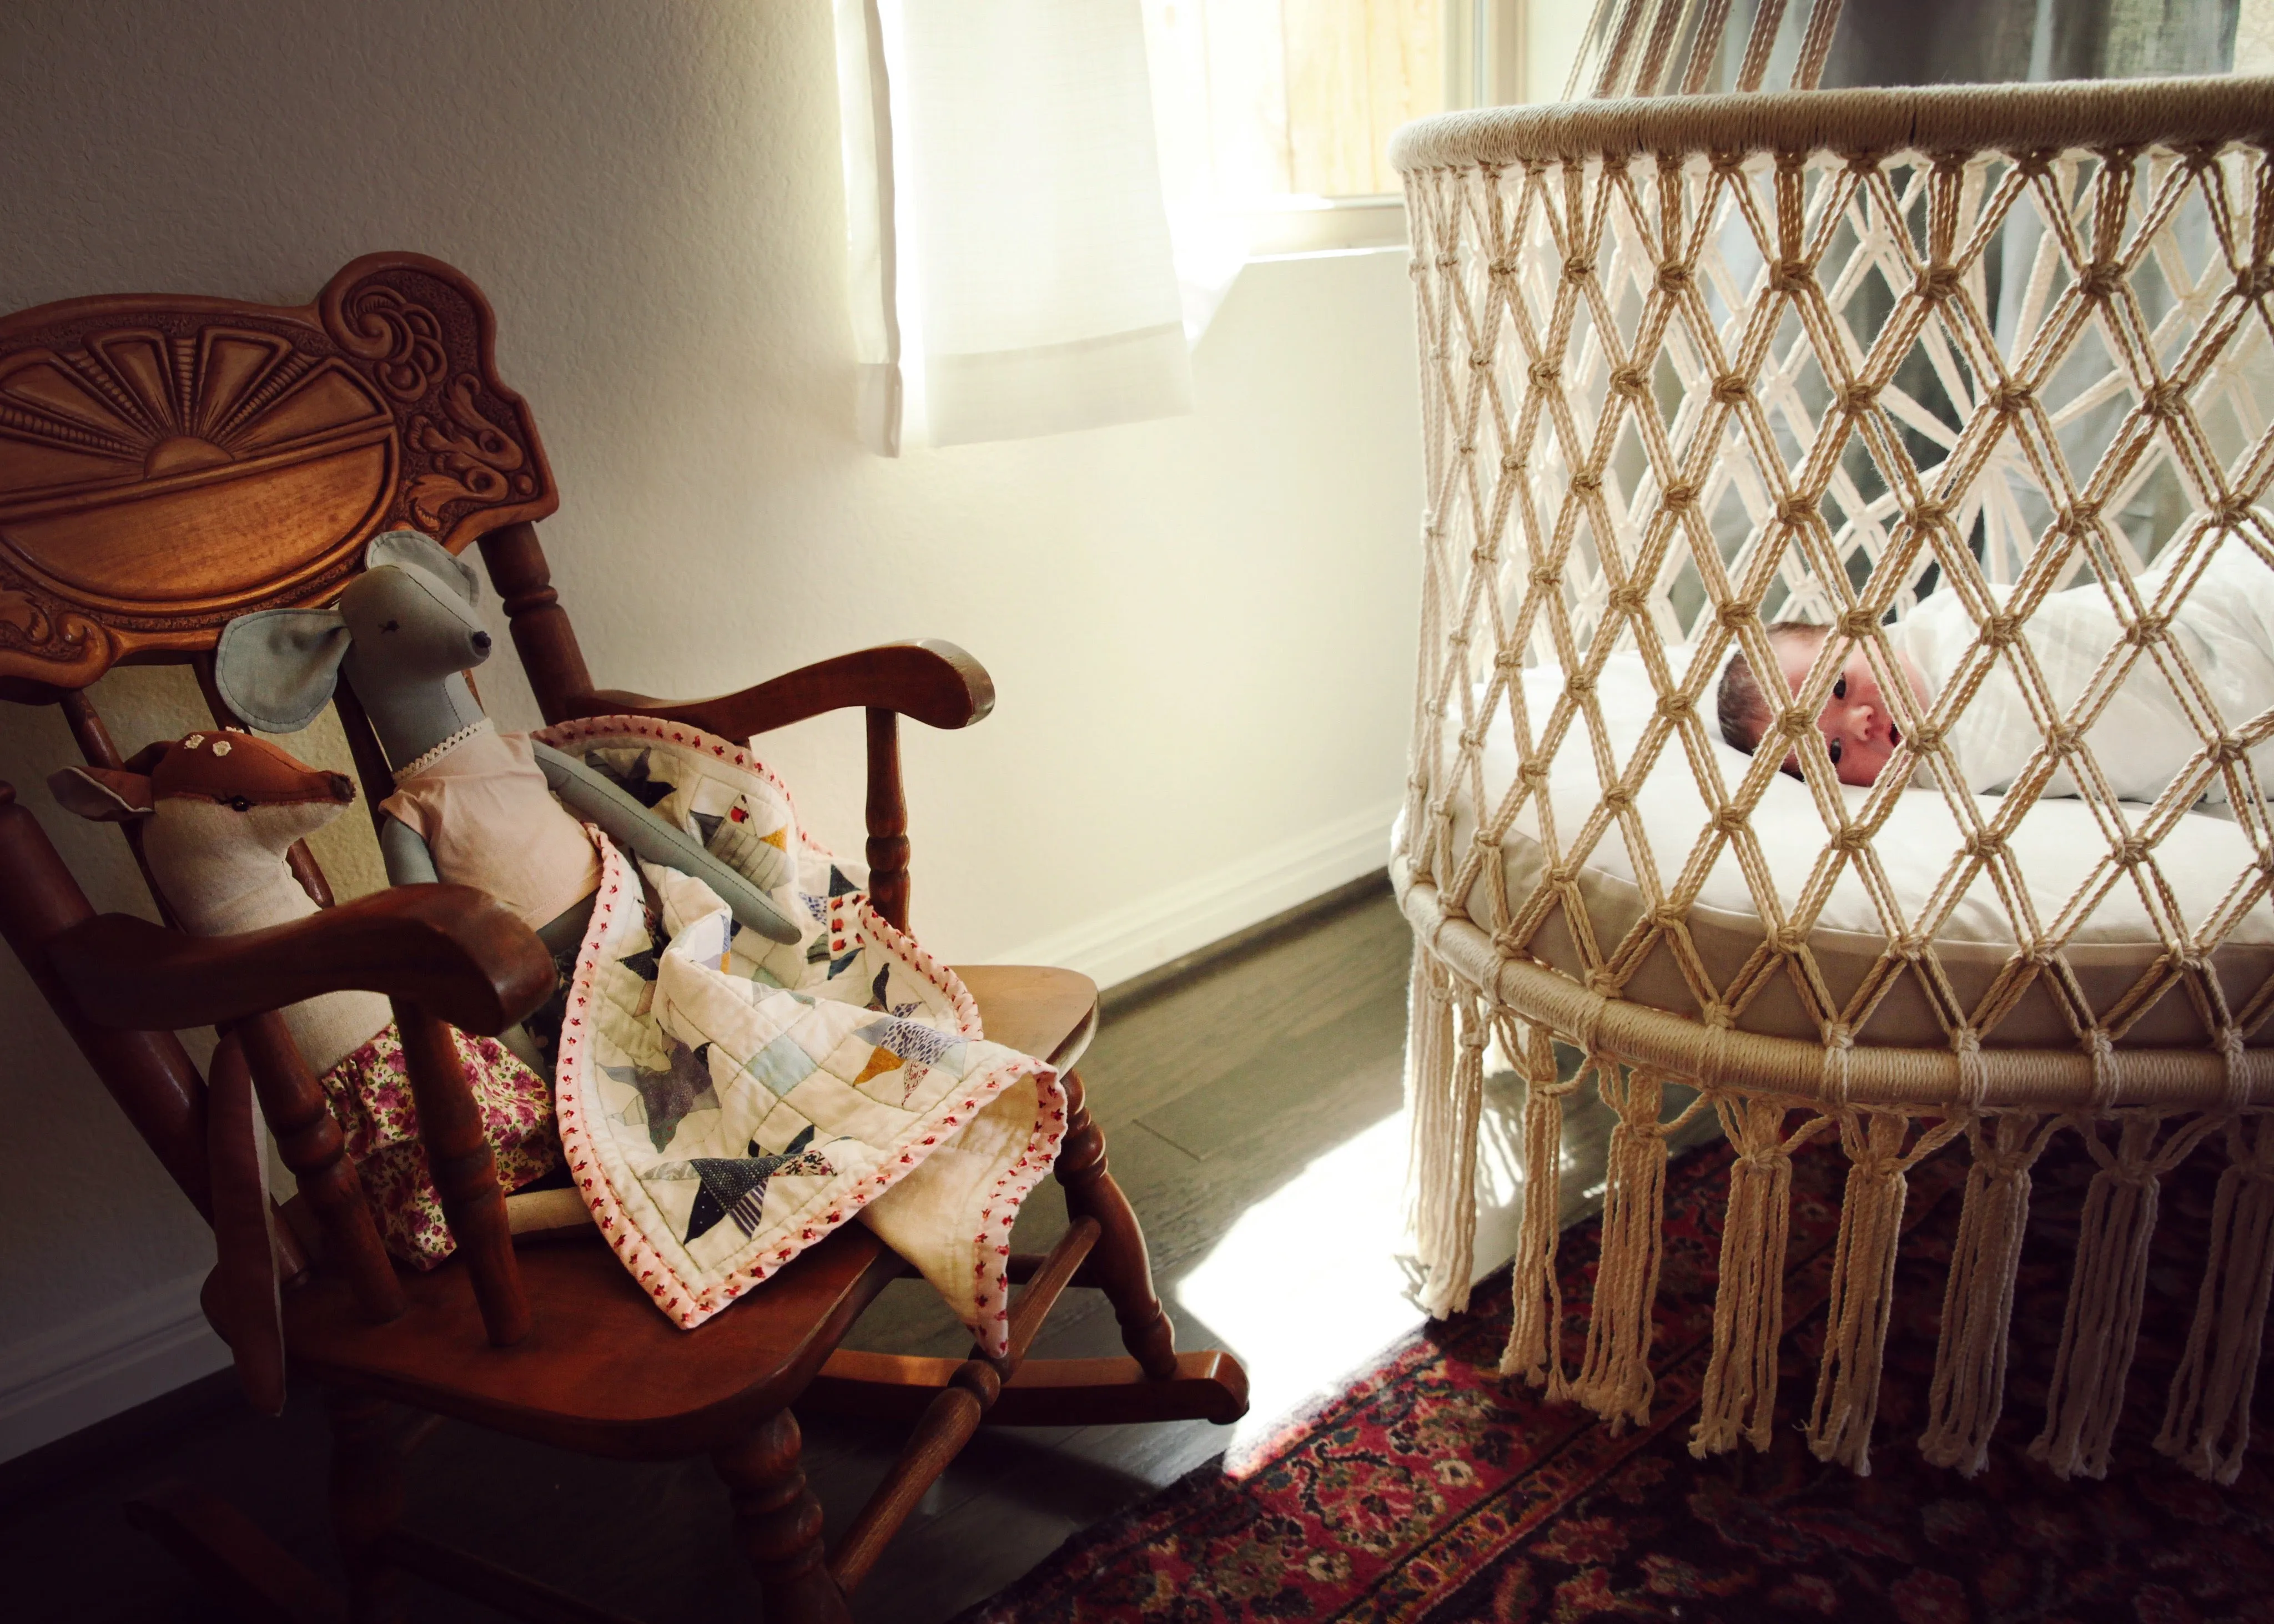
(1694, 364)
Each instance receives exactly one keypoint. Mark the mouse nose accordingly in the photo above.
(481, 642)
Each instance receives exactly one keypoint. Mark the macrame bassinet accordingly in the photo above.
(1693, 363)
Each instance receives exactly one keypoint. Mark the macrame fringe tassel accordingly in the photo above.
(1739, 1396)
(2207, 1423)
(1614, 1381)
(1445, 1086)
(1977, 1303)
(1862, 1285)
(1535, 1342)
(2101, 1325)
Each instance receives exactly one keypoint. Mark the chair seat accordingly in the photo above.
(600, 1369)
(1051, 1014)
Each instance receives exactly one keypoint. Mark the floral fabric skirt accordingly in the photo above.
(370, 1096)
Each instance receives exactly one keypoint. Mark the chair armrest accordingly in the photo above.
(936, 682)
(450, 950)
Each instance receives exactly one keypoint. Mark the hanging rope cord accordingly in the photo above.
(1624, 307)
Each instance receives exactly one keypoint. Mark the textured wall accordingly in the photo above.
(1200, 629)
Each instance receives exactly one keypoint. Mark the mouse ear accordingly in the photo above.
(105, 794)
(277, 668)
(410, 550)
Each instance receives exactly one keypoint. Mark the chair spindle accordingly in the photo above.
(148, 1073)
(888, 820)
(310, 1141)
(541, 631)
(464, 1170)
(240, 1295)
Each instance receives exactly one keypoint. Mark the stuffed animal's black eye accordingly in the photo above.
(390, 626)
(239, 803)
(1834, 747)
(1839, 689)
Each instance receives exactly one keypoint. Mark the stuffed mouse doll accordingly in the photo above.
(472, 805)
(219, 810)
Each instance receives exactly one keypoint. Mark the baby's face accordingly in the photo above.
(1858, 732)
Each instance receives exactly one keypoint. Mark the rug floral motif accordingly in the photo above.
(1433, 1489)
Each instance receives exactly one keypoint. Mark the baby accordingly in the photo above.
(1860, 732)
(2143, 735)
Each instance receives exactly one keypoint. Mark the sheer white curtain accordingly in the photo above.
(1009, 253)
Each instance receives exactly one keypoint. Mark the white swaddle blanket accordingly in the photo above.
(2144, 735)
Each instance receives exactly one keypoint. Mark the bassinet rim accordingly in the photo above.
(1907, 1080)
(2055, 117)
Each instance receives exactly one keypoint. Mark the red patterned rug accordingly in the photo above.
(1432, 1489)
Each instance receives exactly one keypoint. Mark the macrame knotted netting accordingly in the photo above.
(1691, 366)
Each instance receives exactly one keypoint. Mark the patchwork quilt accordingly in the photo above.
(725, 1101)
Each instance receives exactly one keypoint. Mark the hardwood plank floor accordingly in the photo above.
(1252, 1113)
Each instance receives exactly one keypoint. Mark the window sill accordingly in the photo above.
(1325, 225)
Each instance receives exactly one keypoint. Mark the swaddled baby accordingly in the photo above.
(2143, 735)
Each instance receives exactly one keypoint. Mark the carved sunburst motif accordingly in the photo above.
(186, 474)
(129, 406)
(165, 467)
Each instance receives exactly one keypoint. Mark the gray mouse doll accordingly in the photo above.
(471, 805)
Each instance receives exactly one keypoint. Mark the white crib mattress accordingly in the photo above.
(2056, 845)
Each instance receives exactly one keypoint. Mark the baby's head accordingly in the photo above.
(1859, 731)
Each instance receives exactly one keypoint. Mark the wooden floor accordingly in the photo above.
(1249, 1111)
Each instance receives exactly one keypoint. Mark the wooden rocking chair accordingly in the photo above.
(167, 463)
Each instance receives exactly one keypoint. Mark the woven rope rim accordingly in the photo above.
(2016, 1078)
(2178, 112)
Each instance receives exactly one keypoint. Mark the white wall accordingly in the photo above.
(1200, 629)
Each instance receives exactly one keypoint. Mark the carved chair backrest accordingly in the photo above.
(168, 463)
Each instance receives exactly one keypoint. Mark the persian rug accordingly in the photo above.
(1433, 1489)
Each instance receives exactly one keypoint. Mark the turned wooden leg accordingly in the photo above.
(1118, 1262)
(366, 1502)
(779, 1523)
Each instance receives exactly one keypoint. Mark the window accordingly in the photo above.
(1274, 116)
(1006, 189)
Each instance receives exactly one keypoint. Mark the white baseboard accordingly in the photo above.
(1148, 933)
(88, 1371)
